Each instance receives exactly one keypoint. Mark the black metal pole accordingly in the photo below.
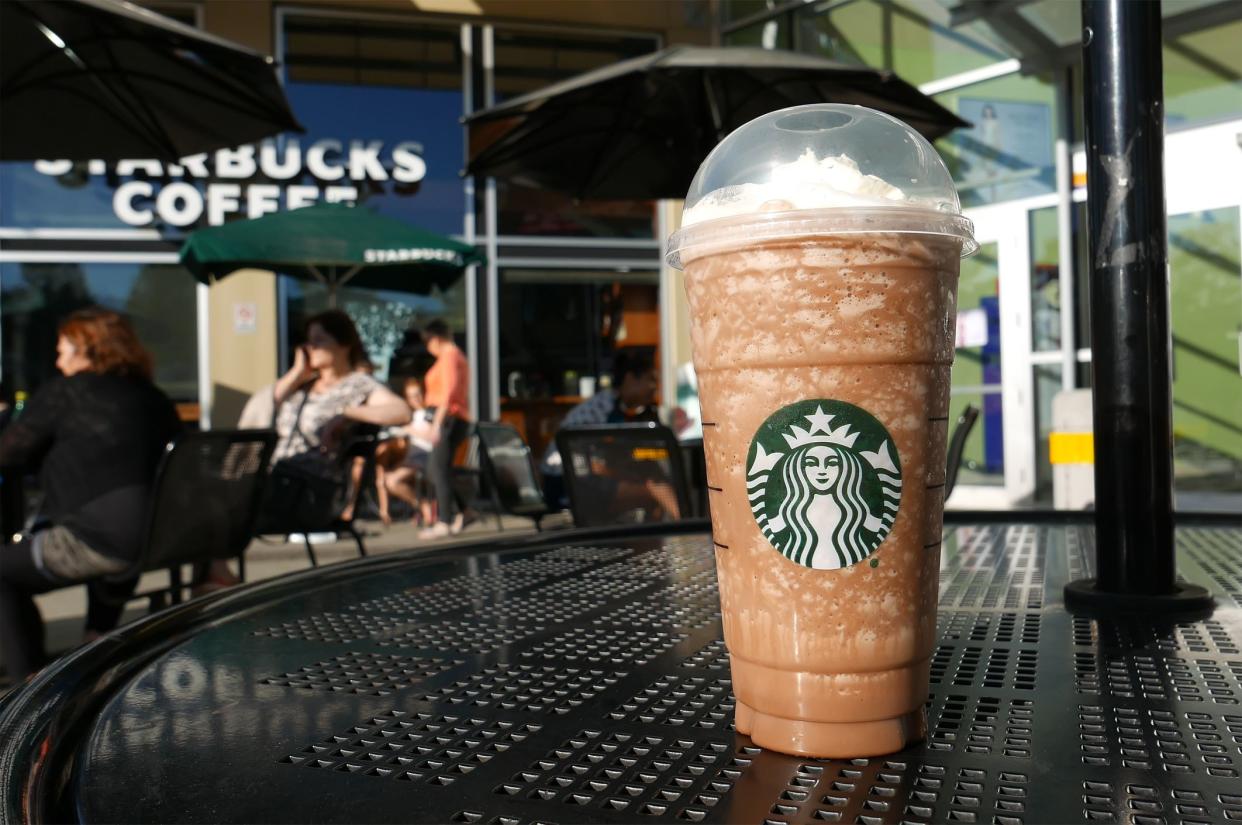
(1130, 339)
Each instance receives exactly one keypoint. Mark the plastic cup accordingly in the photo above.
(822, 301)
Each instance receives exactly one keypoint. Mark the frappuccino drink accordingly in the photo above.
(821, 247)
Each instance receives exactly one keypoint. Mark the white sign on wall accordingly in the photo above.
(245, 317)
(251, 180)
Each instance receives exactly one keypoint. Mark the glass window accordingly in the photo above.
(741, 9)
(1059, 20)
(1203, 75)
(366, 81)
(1045, 280)
(849, 34)
(1047, 381)
(977, 369)
(768, 34)
(76, 198)
(527, 60)
(158, 298)
(915, 38)
(1008, 153)
(388, 322)
(558, 332)
(1206, 295)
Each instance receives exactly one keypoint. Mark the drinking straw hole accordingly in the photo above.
(813, 121)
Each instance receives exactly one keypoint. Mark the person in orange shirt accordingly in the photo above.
(447, 384)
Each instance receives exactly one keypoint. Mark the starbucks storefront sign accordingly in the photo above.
(251, 180)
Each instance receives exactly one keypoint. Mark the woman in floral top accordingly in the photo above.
(327, 388)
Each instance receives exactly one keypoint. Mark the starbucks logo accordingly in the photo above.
(824, 482)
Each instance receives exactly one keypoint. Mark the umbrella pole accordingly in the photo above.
(344, 279)
(1130, 340)
(328, 282)
(334, 282)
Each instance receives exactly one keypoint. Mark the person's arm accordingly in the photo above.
(297, 375)
(382, 407)
(24, 442)
(437, 422)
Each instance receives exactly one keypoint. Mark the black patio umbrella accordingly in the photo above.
(87, 79)
(639, 129)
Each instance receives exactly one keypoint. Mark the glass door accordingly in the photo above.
(991, 368)
(977, 369)
(1205, 286)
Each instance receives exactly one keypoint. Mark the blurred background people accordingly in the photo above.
(446, 384)
(401, 460)
(631, 397)
(95, 435)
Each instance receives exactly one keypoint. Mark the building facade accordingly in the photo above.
(381, 86)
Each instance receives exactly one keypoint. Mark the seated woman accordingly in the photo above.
(403, 463)
(326, 390)
(96, 435)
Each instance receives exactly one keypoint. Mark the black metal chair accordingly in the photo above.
(957, 443)
(204, 503)
(623, 473)
(509, 473)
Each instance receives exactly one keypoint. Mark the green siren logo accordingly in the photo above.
(824, 482)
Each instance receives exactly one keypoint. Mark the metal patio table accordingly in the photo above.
(581, 677)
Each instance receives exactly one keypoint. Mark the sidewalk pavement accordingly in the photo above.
(64, 610)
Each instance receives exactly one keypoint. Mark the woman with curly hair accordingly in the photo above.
(95, 435)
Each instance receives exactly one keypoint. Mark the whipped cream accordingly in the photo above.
(807, 183)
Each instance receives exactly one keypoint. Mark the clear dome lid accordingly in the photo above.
(825, 168)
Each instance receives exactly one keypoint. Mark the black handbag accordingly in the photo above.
(297, 499)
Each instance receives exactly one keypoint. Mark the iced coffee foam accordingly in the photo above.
(807, 183)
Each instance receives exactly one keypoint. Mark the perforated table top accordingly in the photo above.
(568, 683)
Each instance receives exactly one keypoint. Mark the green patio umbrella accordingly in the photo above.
(333, 244)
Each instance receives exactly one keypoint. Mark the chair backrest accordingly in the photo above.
(206, 495)
(957, 443)
(508, 466)
(623, 473)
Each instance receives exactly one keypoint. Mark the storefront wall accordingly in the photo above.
(1024, 297)
(389, 74)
